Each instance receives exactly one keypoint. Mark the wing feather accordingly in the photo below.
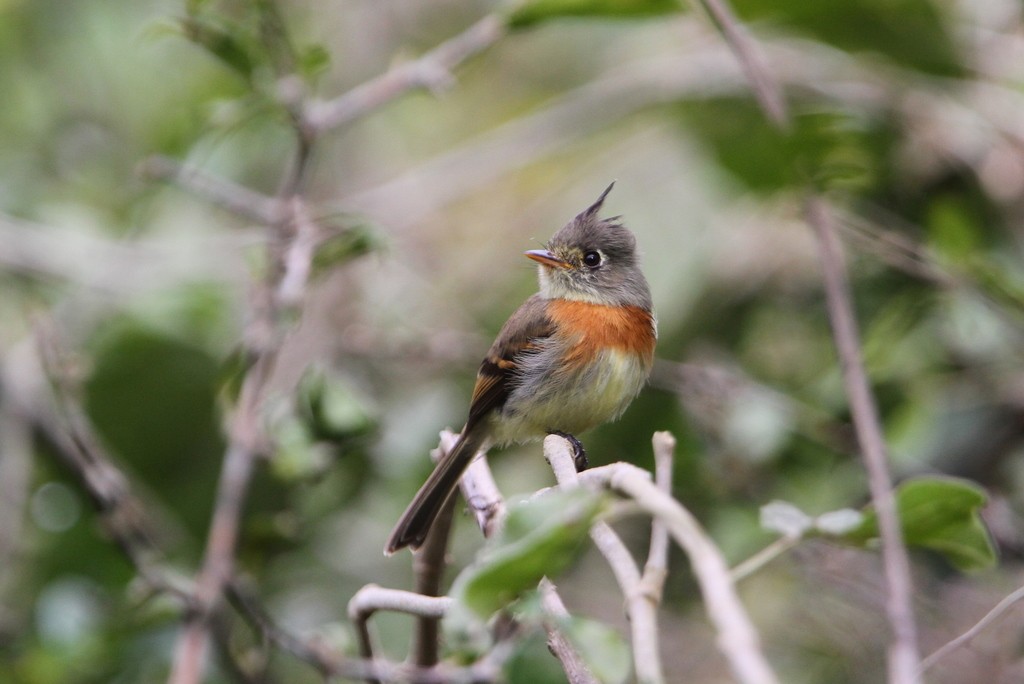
(520, 334)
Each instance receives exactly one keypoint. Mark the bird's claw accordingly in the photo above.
(579, 454)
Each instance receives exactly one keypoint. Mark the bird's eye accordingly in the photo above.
(592, 259)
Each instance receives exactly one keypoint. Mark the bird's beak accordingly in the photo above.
(543, 256)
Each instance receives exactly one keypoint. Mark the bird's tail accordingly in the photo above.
(413, 526)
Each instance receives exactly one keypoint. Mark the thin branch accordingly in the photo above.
(333, 664)
(246, 438)
(290, 253)
(488, 506)
(652, 583)
(478, 487)
(125, 520)
(298, 256)
(642, 612)
(903, 657)
(895, 247)
(247, 605)
(431, 71)
(428, 568)
(766, 555)
(997, 612)
(330, 663)
(372, 598)
(218, 564)
(762, 82)
(576, 670)
(737, 639)
(252, 671)
(903, 653)
(218, 191)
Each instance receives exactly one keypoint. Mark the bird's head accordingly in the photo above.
(593, 260)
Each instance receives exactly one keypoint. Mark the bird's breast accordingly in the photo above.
(585, 374)
(589, 329)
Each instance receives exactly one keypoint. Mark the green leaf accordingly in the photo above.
(601, 648)
(537, 11)
(226, 44)
(531, 662)
(297, 456)
(314, 60)
(232, 373)
(541, 538)
(874, 26)
(346, 244)
(940, 514)
(832, 149)
(151, 396)
(330, 407)
(273, 36)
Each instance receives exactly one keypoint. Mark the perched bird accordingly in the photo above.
(573, 356)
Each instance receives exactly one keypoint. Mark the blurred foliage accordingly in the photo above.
(151, 398)
(525, 14)
(869, 26)
(539, 538)
(829, 149)
(942, 515)
(905, 114)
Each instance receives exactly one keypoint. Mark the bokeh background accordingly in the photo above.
(909, 115)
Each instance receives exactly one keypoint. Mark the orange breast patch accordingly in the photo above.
(598, 327)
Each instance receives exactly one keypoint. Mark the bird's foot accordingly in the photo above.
(579, 454)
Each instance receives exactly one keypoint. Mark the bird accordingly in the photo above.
(571, 357)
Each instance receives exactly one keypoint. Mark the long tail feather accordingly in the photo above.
(413, 526)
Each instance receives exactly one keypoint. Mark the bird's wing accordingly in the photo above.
(520, 335)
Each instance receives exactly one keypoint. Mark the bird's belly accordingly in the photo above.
(572, 401)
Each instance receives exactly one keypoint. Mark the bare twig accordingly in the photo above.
(478, 488)
(218, 191)
(246, 438)
(125, 519)
(331, 664)
(652, 582)
(576, 670)
(372, 598)
(428, 568)
(488, 506)
(290, 254)
(903, 657)
(123, 513)
(431, 71)
(763, 557)
(762, 82)
(737, 638)
(903, 654)
(895, 247)
(642, 611)
(249, 607)
(298, 256)
(997, 612)
(218, 563)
